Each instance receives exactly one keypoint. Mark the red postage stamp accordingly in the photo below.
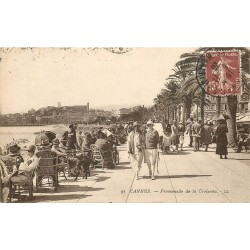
(223, 73)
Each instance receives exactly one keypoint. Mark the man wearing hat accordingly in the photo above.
(207, 135)
(26, 167)
(72, 143)
(14, 152)
(56, 148)
(135, 146)
(61, 153)
(152, 141)
(31, 162)
(196, 133)
(189, 124)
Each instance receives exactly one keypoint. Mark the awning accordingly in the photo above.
(244, 120)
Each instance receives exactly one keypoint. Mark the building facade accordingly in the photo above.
(123, 111)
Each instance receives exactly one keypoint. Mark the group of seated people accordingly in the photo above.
(243, 141)
(21, 171)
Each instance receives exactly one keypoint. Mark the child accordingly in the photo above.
(166, 142)
(181, 139)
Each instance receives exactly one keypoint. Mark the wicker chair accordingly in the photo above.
(4, 188)
(102, 158)
(18, 185)
(10, 162)
(47, 168)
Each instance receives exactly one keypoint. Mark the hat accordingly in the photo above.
(31, 148)
(136, 124)
(44, 143)
(55, 141)
(150, 122)
(13, 148)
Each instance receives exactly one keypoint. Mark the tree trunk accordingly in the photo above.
(168, 114)
(184, 113)
(197, 112)
(218, 105)
(179, 113)
(188, 104)
(231, 123)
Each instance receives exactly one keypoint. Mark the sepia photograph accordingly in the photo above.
(124, 125)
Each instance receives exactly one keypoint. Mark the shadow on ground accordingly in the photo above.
(176, 176)
(102, 178)
(121, 168)
(175, 153)
(60, 197)
(68, 189)
(124, 163)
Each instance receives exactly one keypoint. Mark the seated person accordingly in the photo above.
(242, 139)
(5, 179)
(87, 141)
(112, 145)
(112, 142)
(104, 146)
(44, 151)
(57, 149)
(102, 143)
(93, 137)
(14, 152)
(61, 153)
(26, 167)
(45, 145)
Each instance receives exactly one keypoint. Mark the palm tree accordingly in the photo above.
(166, 101)
(190, 89)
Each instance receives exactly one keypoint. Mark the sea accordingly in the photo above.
(25, 136)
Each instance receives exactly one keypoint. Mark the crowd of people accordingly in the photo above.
(74, 147)
(144, 142)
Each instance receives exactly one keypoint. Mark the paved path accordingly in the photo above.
(184, 177)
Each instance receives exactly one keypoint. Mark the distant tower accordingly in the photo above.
(87, 106)
(59, 104)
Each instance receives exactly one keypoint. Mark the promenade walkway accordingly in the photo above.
(186, 176)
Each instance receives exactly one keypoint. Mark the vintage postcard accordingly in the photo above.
(125, 125)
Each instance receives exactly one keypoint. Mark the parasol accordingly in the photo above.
(51, 135)
(221, 117)
(41, 138)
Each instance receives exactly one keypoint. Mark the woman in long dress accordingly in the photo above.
(207, 135)
(221, 139)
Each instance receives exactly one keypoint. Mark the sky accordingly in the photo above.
(42, 77)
